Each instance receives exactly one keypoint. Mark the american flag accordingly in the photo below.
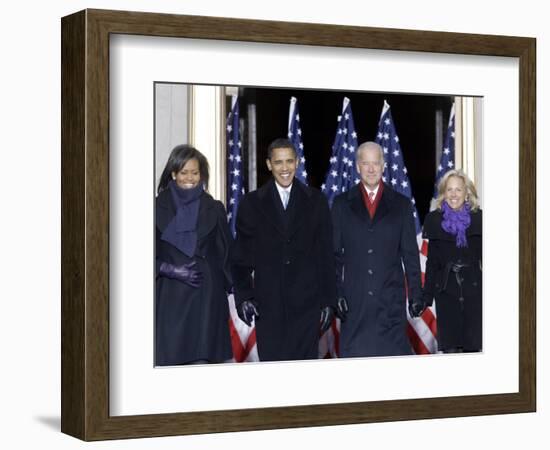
(447, 160)
(295, 136)
(421, 330)
(342, 173)
(235, 187)
(243, 337)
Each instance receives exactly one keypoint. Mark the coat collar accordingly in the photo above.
(357, 205)
(270, 205)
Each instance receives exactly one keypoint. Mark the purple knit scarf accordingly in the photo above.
(456, 222)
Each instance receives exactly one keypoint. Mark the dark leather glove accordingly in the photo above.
(342, 309)
(327, 314)
(416, 307)
(186, 273)
(247, 311)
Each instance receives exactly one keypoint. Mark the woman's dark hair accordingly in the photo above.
(178, 158)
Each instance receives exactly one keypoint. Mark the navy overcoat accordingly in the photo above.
(290, 255)
(373, 257)
(191, 324)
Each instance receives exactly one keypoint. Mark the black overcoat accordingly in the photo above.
(290, 254)
(370, 256)
(459, 323)
(192, 323)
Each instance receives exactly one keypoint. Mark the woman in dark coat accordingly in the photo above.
(192, 251)
(453, 268)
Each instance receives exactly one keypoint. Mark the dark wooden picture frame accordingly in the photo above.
(85, 224)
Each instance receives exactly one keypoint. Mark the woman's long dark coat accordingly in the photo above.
(370, 256)
(192, 323)
(290, 253)
(458, 323)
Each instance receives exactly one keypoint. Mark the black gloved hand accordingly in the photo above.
(342, 309)
(186, 273)
(416, 307)
(327, 314)
(247, 311)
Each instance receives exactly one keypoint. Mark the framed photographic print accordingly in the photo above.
(121, 72)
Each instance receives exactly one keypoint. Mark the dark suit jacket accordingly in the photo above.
(290, 254)
(192, 323)
(370, 255)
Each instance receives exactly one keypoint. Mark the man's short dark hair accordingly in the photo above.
(280, 143)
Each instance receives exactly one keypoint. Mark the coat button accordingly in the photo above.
(474, 283)
(287, 262)
(371, 293)
(370, 250)
(288, 241)
(370, 272)
(370, 229)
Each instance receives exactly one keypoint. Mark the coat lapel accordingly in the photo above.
(357, 205)
(271, 206)
(297, 207)
(384, 205)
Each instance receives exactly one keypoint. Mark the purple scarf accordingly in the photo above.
(181, 232)
(456, 222)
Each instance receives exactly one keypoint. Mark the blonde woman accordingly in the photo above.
(453, 268)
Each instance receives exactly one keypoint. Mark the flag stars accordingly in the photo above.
(396, 153)
(405, 170)
(393, 181)
(450, 164)
(396, 138)
(229, 128)
(394, 167)
(386, 136)
(404, 184)
(234, 187)
(446, 150)
(238, 158)
(334, 174)
(334, 188)
(302, 160)
(387, 121)
(236, 172)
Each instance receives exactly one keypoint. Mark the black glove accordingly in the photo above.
(187, 273)
(247, 311)
(327, 314)
(416, 307)
(342, 309)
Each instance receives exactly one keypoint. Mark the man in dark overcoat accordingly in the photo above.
(375, 247)
(283, 262)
